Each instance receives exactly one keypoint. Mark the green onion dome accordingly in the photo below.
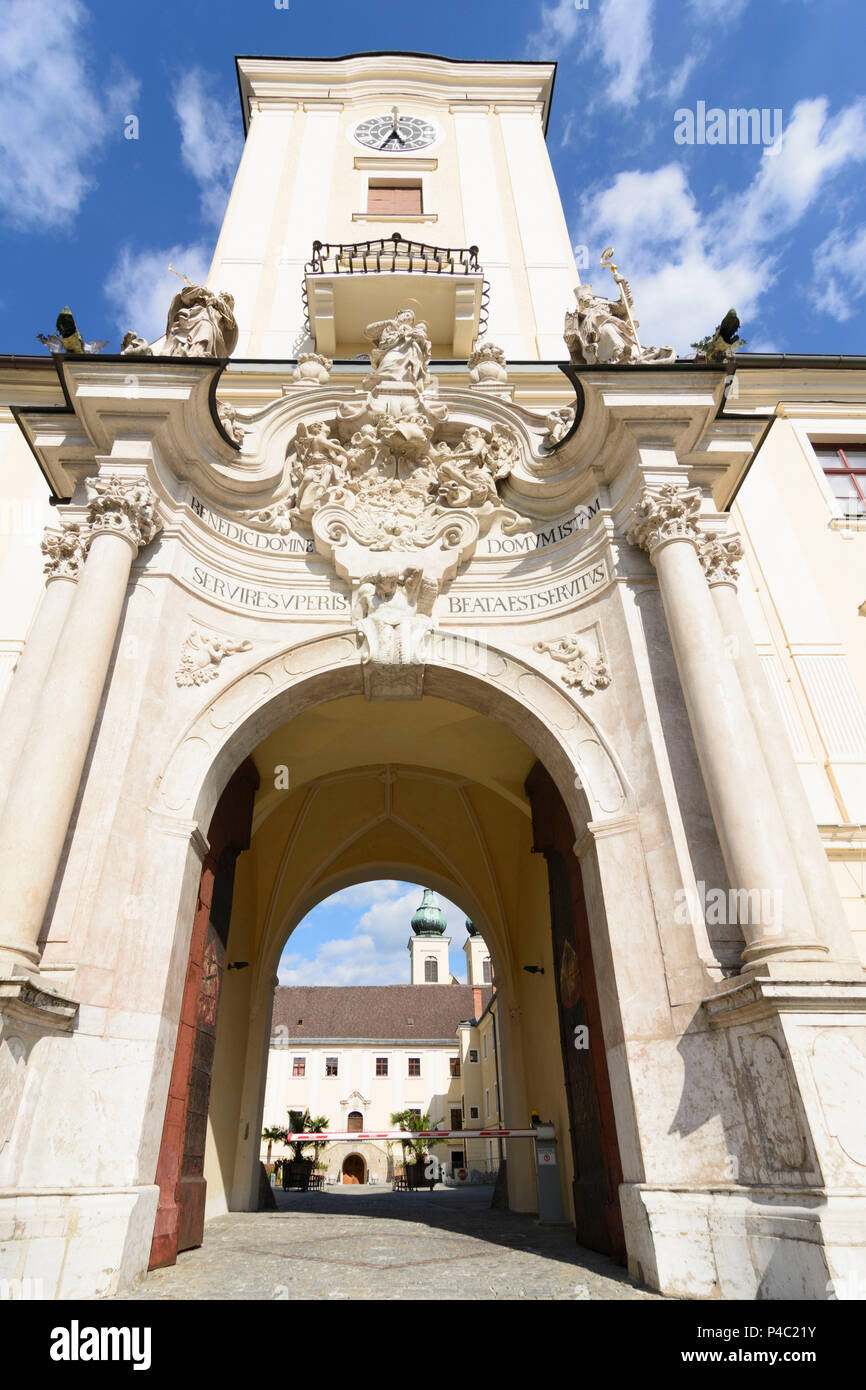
(429, 919)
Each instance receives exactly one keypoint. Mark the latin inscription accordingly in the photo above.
(551, 535)
(289, 544)
(266, 600)
(531, 601)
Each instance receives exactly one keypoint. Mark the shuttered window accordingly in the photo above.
(385, 200)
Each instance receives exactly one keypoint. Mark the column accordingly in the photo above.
(64, 553)
(742, 798)
(122, 518)
(720, 555)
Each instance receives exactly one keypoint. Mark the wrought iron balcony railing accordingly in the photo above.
(396, 254)
(391, 253)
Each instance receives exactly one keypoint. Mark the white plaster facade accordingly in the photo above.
(735, 1048)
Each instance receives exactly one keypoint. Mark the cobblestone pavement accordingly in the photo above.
(363, 1243)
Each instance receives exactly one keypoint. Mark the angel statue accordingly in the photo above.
(392, 612)
(200, 324)
(600, 330)
(401, 349)
(466, 476)
(320, 466)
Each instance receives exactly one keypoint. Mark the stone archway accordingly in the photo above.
(508, 693)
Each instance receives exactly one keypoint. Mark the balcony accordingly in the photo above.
(347, 286)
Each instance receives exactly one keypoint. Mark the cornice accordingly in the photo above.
(417, 76)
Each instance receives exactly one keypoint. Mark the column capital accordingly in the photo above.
(663, 513)
(65, 550)
(721, 553)
(126, 507)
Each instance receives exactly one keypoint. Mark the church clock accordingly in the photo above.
(395, 132)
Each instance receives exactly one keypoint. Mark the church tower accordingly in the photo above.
(436, 170)
(428, 946)
(479, 970)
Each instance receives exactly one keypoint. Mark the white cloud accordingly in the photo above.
(839, 274)
(626, 46)
(372, 949)
(210, 140)
(688, 268)
(717, 11)
(54, 117)
(813, 148)
(140, 286)
(619, 32)
(558, 26)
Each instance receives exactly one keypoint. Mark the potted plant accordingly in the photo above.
(297, 1168)
(415, 1156)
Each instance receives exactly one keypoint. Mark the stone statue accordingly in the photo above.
(600, 330)
(392, 613)
(558, 422)
(319, 467)
(134, 345)
(200, 324)
(401, 349)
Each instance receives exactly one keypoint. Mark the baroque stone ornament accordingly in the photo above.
(720, 556)
(231, 422)
(200, 324)
(134, 345)
(124, 506)
(665, 513)
(392, 613)
(65, 551)
(585, 669)
(312, 369)
(487, 365)
(600, 330)
(558, 422)
(202, 655)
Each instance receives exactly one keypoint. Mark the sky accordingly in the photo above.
(359, 937)
(778, 229)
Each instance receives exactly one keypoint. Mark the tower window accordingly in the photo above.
(431, 970)
(394, 199)
(486, 974)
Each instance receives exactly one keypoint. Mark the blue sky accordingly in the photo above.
(91, 218)
(359, 937)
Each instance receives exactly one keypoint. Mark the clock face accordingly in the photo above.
(395, 133)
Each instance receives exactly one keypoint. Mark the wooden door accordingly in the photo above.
(179, 1223)
(597, 1168)
(353, 1170)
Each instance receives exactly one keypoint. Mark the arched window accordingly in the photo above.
(431, 970)
(355, 1123)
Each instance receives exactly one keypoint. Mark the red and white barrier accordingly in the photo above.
(357, 1136)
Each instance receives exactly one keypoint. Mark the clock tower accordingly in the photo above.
(385, 181)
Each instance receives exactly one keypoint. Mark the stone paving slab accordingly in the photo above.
(363, 1243)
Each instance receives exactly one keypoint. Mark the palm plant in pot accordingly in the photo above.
(297, 1169)
(415, 1156)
